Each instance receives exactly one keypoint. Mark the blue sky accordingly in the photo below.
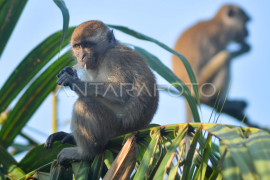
(162, 20)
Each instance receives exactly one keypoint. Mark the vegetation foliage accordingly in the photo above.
(216, 151)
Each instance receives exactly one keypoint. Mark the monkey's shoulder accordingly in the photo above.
(123, 53)
(127, 63)
(124, 56)
(205, 28)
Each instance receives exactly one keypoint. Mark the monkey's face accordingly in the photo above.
(237, 20)
(86, 54)
(89, 41)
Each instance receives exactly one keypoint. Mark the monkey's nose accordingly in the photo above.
(83, 56)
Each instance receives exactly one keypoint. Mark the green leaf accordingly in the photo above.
(104, 171)
(38, 156)
(108, 159)
(182, 58)
(214, 149)
(57, 173)
(2, 177)
(62, 6)
(197, 161)
(171, 153)
(237, 149)
(215, 175)
(9, 165)
(258, 145)
(193, 171)
(68, 175)
(190, 154)
(143, 170)
(162, 152)
(80, 170)
(162, 163)
(230, 170)
(96, 168)
(42, 175)
(31, 100)
(10, 13)
(173, 172)
(18, 148)
(206, 152)
(29, 67)
(167, 74)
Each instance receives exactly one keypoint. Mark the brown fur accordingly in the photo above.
(108, 110)
(204, 46)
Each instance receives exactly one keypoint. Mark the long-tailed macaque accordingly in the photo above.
(116, 89)
(204, 45)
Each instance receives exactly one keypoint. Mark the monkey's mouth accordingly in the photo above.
(90, 64)
(241, 37)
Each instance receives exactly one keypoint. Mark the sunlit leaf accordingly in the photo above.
(30, 66)
(147, 158)
(9, 165)
(62, 6)
(170, 154)
(31, 100)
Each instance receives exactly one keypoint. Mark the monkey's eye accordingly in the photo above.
(76, 46)
(231, 13)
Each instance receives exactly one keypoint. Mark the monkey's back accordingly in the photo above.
(132, 68)
(198, 44)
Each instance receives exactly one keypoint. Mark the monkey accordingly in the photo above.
(204, 46)
(116, 90)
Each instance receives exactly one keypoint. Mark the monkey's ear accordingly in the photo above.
(111, 37)
(231, 12)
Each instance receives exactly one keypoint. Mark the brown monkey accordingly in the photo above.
(116, 89)
(204, 46)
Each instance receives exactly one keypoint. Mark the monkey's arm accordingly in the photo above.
(218, 61)
(213, 66)
(59, 136)
(244, 49)
(115, 91)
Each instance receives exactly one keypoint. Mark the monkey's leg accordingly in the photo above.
(68, 155)
(59, 136)
(233, 108)
(93, 125)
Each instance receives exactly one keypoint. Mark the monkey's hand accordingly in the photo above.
(70, 70)
(59, 136)
(244, 49)
(68, 77)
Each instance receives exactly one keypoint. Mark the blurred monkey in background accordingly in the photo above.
(204, 45)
